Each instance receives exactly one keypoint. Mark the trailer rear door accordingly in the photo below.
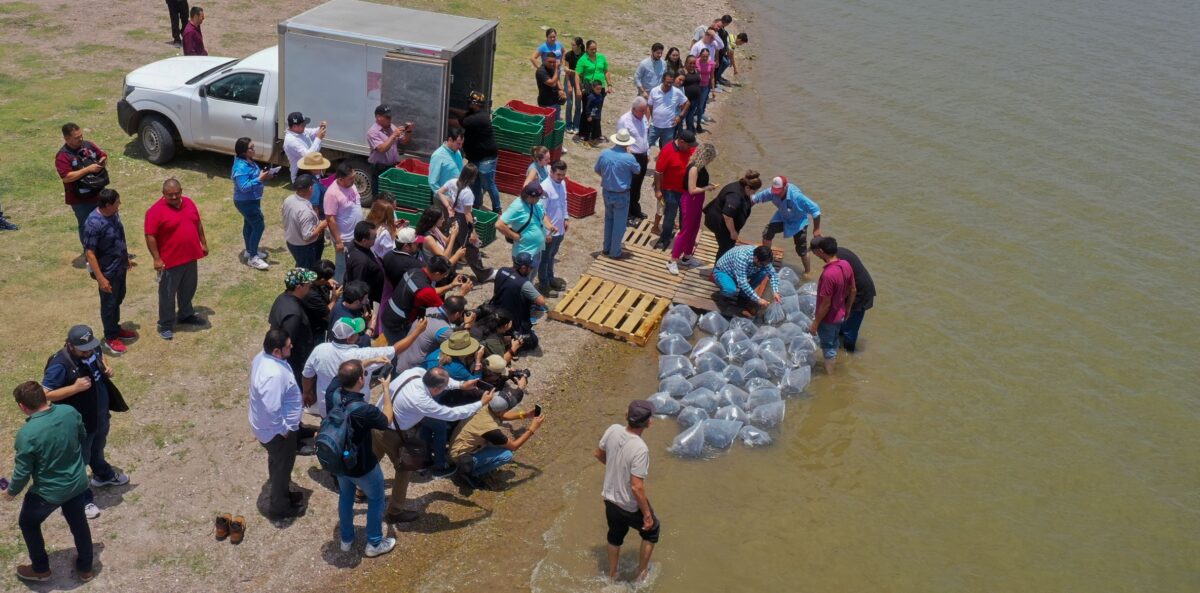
(415, 88)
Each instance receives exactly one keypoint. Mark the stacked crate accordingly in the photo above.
(408, 181)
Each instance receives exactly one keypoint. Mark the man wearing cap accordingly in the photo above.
(670, 179)
(446, 162)
(299, 141)
(864, 295)
(405, 256)
(288, 314)
(479, 146)
(175, 239)
(109, 262)
(275, 411)
(79, 376)
(322, 365)
(514, 292)
(626, 462)
(524, 223)
(616, 168)
(417, 292)
(667, 104)
(634, 121)
(410, 398)
(791, 216)
(479, 445)
(385, 141)
(739, 274)
(303, 230)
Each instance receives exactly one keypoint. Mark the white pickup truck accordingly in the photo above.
(335, 62)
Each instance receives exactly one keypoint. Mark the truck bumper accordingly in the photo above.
(125, 116)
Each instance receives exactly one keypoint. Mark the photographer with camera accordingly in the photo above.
(479, 446)
(493, 332)
(516, 294)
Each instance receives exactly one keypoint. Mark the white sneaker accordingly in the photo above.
(689, 261)
(118, 479)
(346, 545)
(91, 511)
(384, 547)
(673, 268)
(257, 263)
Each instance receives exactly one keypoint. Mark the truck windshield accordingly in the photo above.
(204, 74)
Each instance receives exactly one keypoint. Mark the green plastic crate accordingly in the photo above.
(397, 176)
(555, 139)
(485, 225)
(411, 216)
(516, 116)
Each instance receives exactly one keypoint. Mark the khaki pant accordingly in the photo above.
(386, 443)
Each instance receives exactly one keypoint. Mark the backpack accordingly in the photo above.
(335, 446)
(91, 183)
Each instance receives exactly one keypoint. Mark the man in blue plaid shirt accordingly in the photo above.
(741, 270)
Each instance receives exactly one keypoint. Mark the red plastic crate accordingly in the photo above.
(581, 200)
(414, 166)
(556, 154)
(513, 162)
(547, 113)
(509, 183)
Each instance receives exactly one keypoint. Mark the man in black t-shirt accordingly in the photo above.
(479, 147)
(550, 91)
(864, 298)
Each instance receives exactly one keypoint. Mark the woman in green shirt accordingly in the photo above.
(592, 66)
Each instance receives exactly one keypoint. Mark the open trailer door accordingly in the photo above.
(415, 88)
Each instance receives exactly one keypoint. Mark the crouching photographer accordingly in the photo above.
(480, 445)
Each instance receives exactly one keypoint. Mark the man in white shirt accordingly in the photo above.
(626, 462)
(667, 106)
(411, 397)
(299, 140)
(275, 406)
(710, 41)
(322, 365)
(634, 120)
(554, 189)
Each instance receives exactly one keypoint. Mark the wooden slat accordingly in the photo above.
(610, 308)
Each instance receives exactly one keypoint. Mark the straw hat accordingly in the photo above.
(622, 138)
(460, 343)
(314, 161)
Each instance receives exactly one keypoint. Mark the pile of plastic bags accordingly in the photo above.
(727, 380)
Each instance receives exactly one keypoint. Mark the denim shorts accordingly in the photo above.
(827, 336)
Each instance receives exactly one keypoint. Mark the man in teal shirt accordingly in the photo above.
(50, 454)
(447, 161)
(525, 224)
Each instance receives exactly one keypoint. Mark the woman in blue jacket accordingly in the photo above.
(248, 180)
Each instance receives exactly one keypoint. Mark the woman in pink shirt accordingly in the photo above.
(706, 66)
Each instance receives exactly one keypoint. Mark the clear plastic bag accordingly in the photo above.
(674, 364)
(675, 324)
(730, 395)
(713, 323)
(802, 351)
(689, 443)
(708, 344)
(732, 412)
(755, 368)
(664, 404)
(711, 380)
(690, 416)
(808, 304)
(777, 364)
(734, 335)
(775, 345)
(676, 386)
(799, 318)
(789, 276)
(768, 416)
(720, 433)
(764, 333)
(757, 383)
(741, 352)
(709, 361)
(683, 311)
(809, 287)
(786, 289)
(754, 437)
(733, 375)
(747, 326)
(796, 380)
(774, 314)
(673, 344)
(790, 331)
(762, 397)
(703, 398)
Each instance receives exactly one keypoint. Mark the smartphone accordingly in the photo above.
(537, 410)
(484, 385)
(275, 170)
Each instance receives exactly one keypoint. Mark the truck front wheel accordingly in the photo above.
(364, 174)
(157, 140)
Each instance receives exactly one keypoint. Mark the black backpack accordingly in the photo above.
(91, 183)
(335, 440)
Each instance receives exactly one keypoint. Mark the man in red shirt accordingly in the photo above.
(76, 159)
(175, 238)
(193, 37)
(670, 172)
(835, 294)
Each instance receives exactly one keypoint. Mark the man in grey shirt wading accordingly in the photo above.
(626, 462)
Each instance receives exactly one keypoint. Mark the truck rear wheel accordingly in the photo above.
(364, 174)
(157, 139)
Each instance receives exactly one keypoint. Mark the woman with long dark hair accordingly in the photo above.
(727, 213)
(459, 199)
(248, 180)
(571, 86)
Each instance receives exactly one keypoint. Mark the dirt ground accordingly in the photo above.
(186, 444)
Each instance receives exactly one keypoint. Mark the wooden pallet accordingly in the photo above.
(706, 243)
(645, 269)
(610, 308)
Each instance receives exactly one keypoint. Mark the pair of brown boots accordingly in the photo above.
(227, 526)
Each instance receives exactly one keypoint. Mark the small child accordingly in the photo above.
(592, 113)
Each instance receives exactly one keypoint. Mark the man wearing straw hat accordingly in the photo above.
(616, 168)
(303, 230)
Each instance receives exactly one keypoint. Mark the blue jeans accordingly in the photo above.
(696, 112)
(339, 262)
(81, 213)
(662, 135)
(486, 182)
(371, 483)
(253, 224)
(721, 66)
(546, 266)
(850, 329)
(489, 460)
(728, 285)
(35, 510)
(616, 215)
(437, 434)
(307, 256)
(827, 336)
(572, 107)
(670, 211)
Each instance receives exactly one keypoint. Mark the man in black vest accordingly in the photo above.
(516, 294)
(418, 291)
(78, 376)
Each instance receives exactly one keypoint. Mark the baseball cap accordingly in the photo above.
(534, 189)
(348, 326)
(304, 181)
(639, 412)
(688, 136)
(504, 401)
(408, 235)
(495, 364)
(296, 117)
(384, 109)
(522, 259)
(297, 276)
(81, 337)
(779, 185)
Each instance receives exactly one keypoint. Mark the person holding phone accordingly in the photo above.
(248, 180)
(479, 446)
(385, 141)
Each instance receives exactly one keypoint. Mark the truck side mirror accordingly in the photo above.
(204, 90)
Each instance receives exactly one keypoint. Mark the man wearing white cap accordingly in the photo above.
(616, 168)
(480, 447)
(791, 217)
(322, 365)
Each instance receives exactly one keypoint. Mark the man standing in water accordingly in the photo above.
(626, 462)
(791, 217)
(835, 295)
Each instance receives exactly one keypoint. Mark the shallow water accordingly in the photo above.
(1021, 179)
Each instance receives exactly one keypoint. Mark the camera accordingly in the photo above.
(519, 373)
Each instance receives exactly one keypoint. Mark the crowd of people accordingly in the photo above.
(375, 354)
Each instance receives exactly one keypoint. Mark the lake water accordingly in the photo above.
(1022, 180)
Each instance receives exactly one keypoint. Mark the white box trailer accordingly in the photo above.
(342, 59)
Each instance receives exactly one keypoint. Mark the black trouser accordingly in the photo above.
(110, 306)
(178, 9)
(281, 458)
(377, 169)
(620, 520)
(463, 239)
(35, 510)
(725, 241)
(635, 188)
(177, 285)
